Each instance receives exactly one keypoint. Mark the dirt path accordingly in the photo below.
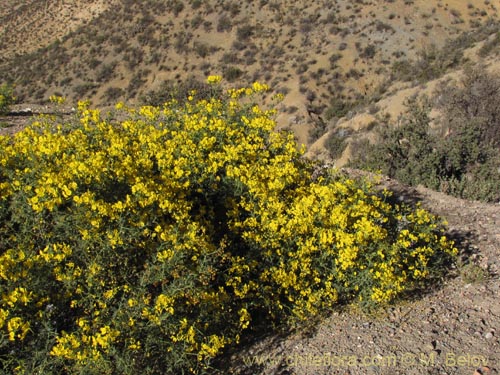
(454, 329)
(20, 115)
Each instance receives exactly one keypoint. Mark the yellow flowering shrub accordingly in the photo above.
(149, 240)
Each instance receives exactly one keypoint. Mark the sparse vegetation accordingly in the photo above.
(433, 62)
(460, 155)
(180, 92)
(336, 143)
(110, 53)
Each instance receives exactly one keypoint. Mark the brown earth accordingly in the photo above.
(20, 115)
(33, 24)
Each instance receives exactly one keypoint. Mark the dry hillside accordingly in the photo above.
(317, 52)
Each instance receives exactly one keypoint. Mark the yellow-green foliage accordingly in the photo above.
(148, 240)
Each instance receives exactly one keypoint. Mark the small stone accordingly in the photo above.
(488, 335)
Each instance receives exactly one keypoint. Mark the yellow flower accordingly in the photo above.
(56, 99)
(244, 318)
(257, 87)
(3, 316)
(214, 79)
(17, 329)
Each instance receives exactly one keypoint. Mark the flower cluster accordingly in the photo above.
(150, 239)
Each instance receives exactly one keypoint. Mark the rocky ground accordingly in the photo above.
(22, 114)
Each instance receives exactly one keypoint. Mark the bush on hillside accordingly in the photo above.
(432, 62)
(336, 142)
(180, 91)
(6, 98)
(461, 155)
(151, 243)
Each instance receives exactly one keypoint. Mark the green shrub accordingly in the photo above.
(369, 52)
(196, 4)
(180, 92)
(339, 107)
(336, 143)
(232, 73)
(490, 46)
(245, 32)
(6, 98)
(461, 156)
(112, 94)
(183, 41)
(176, 6)
(224, 24)
(151, 243)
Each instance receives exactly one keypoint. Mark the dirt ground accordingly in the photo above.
(21, 115)
(453, 329)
